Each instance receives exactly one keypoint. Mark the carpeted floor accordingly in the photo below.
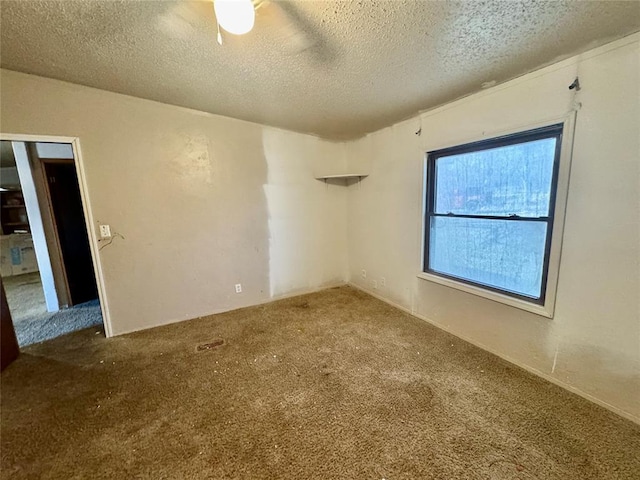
(46, 326)
(31, 320)
(25, 296)
(333, 385)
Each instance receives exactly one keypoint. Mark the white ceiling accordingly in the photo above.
(371, 64)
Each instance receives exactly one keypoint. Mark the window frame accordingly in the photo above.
(562, 129)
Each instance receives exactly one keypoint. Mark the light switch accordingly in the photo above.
(105, 231)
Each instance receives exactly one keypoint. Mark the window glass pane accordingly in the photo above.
(514, 179)
(504, 254)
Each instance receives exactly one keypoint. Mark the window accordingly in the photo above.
(489, 213)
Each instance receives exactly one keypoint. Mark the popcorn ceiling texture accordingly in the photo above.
(371, 63)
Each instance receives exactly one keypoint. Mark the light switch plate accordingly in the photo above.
(105, 231)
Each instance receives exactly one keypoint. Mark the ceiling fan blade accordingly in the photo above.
(298, 34)
(182, 18)
(289, 25)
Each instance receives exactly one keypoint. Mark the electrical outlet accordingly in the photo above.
(375, 284)
(105, 231)
(364, 274)
(238, 288)
(383, 282)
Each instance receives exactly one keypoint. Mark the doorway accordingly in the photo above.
(47, 265)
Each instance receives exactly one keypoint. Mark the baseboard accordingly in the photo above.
(306, 291)
(292, 293)
(555, 381)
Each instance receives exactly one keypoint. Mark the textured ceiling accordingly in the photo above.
(368, 63)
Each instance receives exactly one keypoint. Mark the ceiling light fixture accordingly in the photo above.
(235, 16)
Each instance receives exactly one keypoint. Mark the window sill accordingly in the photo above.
(496, 297)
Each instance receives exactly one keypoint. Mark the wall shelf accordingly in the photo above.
(345, 176)
(13, 215)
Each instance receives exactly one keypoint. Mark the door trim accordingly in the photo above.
(86, 207)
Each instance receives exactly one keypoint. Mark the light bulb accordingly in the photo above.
(235, 16)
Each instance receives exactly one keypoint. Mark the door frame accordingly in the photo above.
(88, 214)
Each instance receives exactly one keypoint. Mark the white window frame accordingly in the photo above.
(566, 149)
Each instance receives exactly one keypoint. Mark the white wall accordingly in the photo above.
(592, 345)
(54, 150)
(203, 202)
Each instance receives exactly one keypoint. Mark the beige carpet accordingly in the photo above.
(333, 385)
